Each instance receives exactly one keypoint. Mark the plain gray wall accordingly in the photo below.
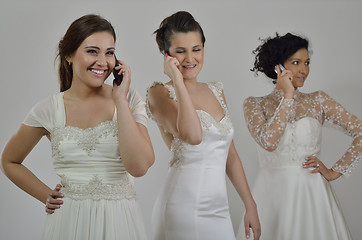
(30, 32)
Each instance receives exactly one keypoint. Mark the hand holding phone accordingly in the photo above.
(166, 53)
(282, 68)
(285, 82)
(117, 77)
(171, 67)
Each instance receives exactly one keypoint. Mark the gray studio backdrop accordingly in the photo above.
(31, 30)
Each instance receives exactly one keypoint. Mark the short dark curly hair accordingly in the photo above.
(276, 50)
(181, 21)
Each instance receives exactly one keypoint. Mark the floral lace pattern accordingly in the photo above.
(224, 125)
(177, 147)
(85, 138)
(268, 116)
(95, 189)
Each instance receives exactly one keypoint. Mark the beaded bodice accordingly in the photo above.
(81, 154)
(89, 164)
(214, 133)
(287, 131)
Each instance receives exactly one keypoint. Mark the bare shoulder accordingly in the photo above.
(158, 92)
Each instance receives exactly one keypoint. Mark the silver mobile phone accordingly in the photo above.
(281, 68)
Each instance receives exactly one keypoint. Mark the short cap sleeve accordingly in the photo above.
(137, 106)
(42, 114)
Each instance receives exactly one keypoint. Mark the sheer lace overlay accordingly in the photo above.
(224, 126)
(268, 116)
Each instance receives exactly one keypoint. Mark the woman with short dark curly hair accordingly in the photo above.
(292, 190)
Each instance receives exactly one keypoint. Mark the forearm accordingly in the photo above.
(135, 146)
(13, 156)
(236, 174)
(188, 122)
(334, 113)
(26, 180)
(350, 159)
(271, 133)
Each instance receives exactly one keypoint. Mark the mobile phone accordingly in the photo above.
(166, 53)
(281, 68)
(117, 78)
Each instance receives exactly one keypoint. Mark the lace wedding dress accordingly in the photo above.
(100, 200)
(293, 203)
(193, 202)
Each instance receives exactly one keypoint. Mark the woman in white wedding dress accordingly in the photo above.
(195, 124)
(292, 190)
(98, 137)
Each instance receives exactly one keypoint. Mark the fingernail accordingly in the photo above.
(62, 195)
(247, 236)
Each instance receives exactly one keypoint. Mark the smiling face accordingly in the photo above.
(188, 49)
(94, 59)
(298, 64)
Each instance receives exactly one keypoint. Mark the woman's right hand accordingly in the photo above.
(171, 67)
(53, 202)
(284, 82)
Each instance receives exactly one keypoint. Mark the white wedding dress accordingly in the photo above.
(99, 196)
(193, 203)
(294, 204)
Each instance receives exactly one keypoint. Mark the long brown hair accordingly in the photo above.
(79, 30)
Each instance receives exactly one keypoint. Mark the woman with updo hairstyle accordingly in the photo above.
(292, 190)
(195, 124)
(98, 137)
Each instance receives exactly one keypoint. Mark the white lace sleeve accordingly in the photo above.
(42, 114)
(267, 132)
(137, 106)
(334, 113)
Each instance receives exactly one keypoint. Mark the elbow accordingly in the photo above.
(195, 141)
(3, 163)
(268, 145)
(141, 169)
(192, 139)
(138, 172)
(271, 148)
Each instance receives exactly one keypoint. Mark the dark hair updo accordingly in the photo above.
(77, 32)
(276, 50)
(178, 22)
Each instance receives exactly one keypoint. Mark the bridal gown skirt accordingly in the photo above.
(95, 220)
(294, 204)
(182, 212)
